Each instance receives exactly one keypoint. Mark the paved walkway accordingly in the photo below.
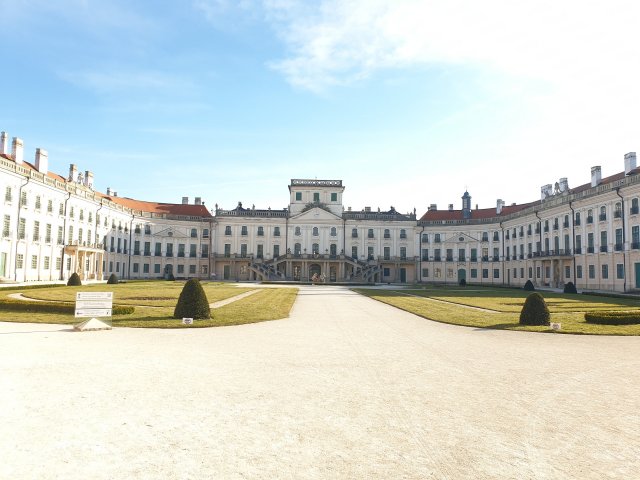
(347, 388)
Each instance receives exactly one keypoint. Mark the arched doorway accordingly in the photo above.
(168, 271)
(462, 274)
(314, 269)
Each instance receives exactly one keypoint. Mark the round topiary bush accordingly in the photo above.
(462, 282)
(570, 288)
(192, 302)
(535, 311)
(74, 280)
(529, 286)
(113, 279)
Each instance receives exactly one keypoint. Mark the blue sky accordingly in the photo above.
(408, 101)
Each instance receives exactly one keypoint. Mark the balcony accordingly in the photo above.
(370, 236)
(521, 256)
(403, 235)
(521, 233)
(617, 214)
(590, 250)
(169, 254)
(507, 236)
(485, 238)
(147, 253)
(589, 220)
(618, 247)
(192, 254)
(529, 232)
(387, 236)
(634, 210)
(602, 217)
(603, 248)
(635, 245)
(485, 258)
(578, 251)
(496, 258)
(496, 238)
(136, 252)
(436, 258)
(577, 222)
(425, 258)
(556, 226)
(462, 259)
(180, 254)
(537, 229)
(473, 259)
(546, 229)
(204, 255)
(449, 259)
(565, 224)
(158, 253)
(354, 235)
(514, 257)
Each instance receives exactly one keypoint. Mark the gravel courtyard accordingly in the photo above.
(347, 388)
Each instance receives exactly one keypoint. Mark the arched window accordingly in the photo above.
(403, 233)
(577, 218)
(315, 231)
(618, 210)
(387, 233)
(260, 231)
(315, 248)
(354, 233)
(333, 249)
(334, 231)
(634, 206)
(603, 213)
(297, 231)
(194, 233)
(590, 216)
(296, 249)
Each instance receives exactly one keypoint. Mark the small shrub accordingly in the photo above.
(535, 311)
(570, 288)
(113, 279)
(613, 318)
(74, 280)
(529, 286)
(192, 302)
(462, 282)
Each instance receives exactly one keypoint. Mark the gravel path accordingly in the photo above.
(347, 388)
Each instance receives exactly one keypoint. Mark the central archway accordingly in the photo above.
(314, 269)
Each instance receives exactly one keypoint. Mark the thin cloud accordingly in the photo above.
(116, 80)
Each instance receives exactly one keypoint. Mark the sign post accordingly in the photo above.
(93, 305)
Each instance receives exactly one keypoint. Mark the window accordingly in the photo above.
(6, 226)
(316, 197)
(334, 197)
(244, 231)
(425, 236)
(589, 216)
(156, 268)
(603, 214)
(71, 212)
(145, 268)
(61, 209)
(354, 252)
(449, 254)
(635, 237)
(370, 253)
(60, 238)
(530, 272)
(577, 218)
(515, 273)
(34, 261)
(47, 263)
(297, 232)
(23, 199)
(205, 233)
(618, 246)
(387, 253)
(204, 248)
(620, 271)
(474, 254)
(424, 256)
(47, 233)
(204, 269)
(537, 272)
(297, 249)
(315, 232)
(403, 233)
(227, 250)
(461, 254)
(136, 267)
(192, 269)
(354, 233)
(403, 253)
(243, 250)
(180, 269)
(298, 196)
(567, 271)
(192, 250)
(425, 272)
(147, 229)
(227, 230)
(496, 273)
(276, 231)
(194, 233)
(485, 273)
(22, 225)
(634, 206)
(592, 271)
(169, 249)
(436, 238)
(147, 248)
(370, 233)
(261, 231)
(436, 254)
(474, 273)
(158, 249)
(38, 202)
(276, 251)
(20, 260)
(7, 194)
(617, 213)
(605, 271)
(603, 241)
(82, 214)
(260, 252)
(334, 231)
(485, 236)
(386, 272)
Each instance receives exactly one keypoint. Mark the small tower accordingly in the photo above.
(466, 205)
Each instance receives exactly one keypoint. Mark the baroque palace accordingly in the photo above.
(55, 225)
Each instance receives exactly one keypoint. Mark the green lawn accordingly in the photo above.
(154, 302)
(500, 308)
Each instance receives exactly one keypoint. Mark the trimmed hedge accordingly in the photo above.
(74, 280)
(192, 302)
(570, 288)
(529, 286)
(113, 279)
(54, 307)
(613, 318)
(535, 311)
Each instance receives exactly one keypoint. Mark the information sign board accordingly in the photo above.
(94, 304)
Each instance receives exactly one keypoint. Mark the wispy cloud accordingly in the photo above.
(118, 80)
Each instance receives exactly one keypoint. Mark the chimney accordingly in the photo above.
(73, 173)
(4, 143)
(546, 191)
(115, 194)
(109, 191)
(42, 160)
(185, 200)
(198, 201)
(367, 209)
(629, 162)
(499, 204)
(88, 179)
(466, 205)
(451, 207)
(596, 176)
(433, 206)
(564, 185)
(17, 150)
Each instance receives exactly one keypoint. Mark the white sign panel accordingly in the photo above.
(94, 304)
(187, 321)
